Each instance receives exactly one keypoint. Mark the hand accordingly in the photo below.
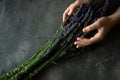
(103, 25)
(71, 10)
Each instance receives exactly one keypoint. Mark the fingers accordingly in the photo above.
(102, 29)
(96, 38)
(65, 15)
(82, 42)
(91, 27)
(69, 11)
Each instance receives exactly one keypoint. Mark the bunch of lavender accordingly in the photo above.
(61, 42)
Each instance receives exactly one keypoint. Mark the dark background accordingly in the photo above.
(26, 25)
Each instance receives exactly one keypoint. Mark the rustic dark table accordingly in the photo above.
(26, 25)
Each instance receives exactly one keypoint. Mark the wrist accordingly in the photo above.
(78, 2)
(115, 17)
(113, 20)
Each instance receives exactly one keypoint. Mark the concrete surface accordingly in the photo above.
(25, 25)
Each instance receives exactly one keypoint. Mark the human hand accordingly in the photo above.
(103, 25)
(71, 10)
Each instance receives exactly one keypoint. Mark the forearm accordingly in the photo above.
(115, 17)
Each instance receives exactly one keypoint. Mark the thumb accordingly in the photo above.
(90, 28)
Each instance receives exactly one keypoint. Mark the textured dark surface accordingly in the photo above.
(25, 25)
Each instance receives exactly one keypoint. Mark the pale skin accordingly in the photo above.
(103, 25)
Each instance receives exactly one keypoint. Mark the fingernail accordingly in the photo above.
(75, 43)
(84, 30)
(69, 14)
(78, 38)
(77, 46)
